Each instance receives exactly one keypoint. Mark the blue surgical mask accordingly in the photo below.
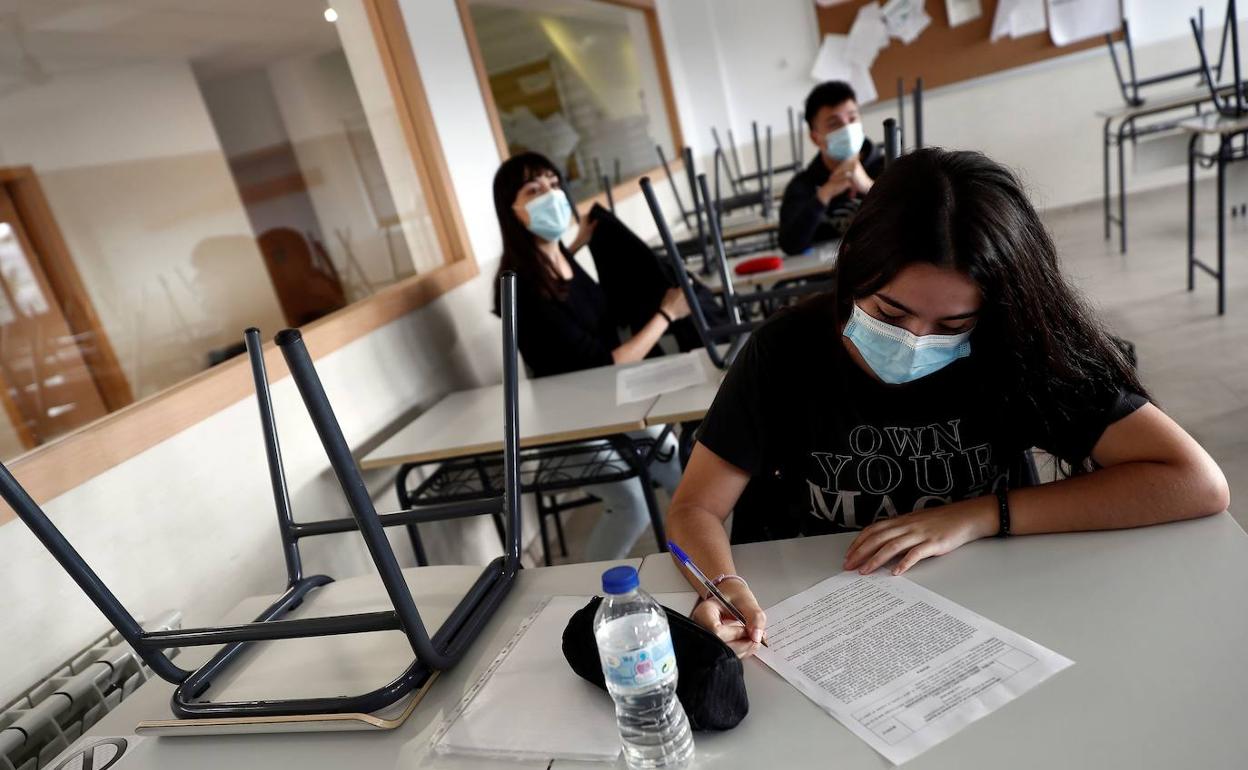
(845, 142)
(897, 356)
(549, 215)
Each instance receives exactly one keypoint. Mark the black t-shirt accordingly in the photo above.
(565, 335)
(831, 449)
(804, 220)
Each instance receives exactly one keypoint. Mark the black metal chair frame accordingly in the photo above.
(917, 96)
(544, 471)
(735, 331)
(1230, 108)
(1130, 86)
(440, 651)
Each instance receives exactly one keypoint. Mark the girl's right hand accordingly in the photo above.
(674, 304)
(711, 615)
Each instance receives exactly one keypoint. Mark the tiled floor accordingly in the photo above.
(1194, 362)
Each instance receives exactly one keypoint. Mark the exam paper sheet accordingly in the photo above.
(664, 375)
(900, 666)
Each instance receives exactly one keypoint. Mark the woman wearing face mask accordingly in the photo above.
(900, 404)
(564, 324)
(821, 200)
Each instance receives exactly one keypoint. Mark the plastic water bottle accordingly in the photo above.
(639, 664)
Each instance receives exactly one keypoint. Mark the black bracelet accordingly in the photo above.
(1003, 512)
(663, 313)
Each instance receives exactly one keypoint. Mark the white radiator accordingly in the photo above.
(63, 705)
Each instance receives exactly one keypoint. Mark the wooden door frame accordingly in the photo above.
(23, 188)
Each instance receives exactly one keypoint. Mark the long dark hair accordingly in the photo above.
(1037, 337)
(520, 251)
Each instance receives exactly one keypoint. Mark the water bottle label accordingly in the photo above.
(642, 667)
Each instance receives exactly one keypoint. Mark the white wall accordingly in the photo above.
(1152, 21)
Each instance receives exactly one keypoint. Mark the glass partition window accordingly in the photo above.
(203, 166)
(578, 81)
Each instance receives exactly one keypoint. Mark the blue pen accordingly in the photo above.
(711, 587)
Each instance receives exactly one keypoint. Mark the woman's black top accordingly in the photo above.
(831, 449)
(565, 335)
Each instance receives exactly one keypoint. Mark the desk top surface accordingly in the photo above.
(565, 407)
(1213, 123)
(689, 403)
(320, 666)
(1152, 617)
(1162, 102)
(819, 259)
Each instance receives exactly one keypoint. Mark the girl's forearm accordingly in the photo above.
(700, 533)
(1131, 494)
(640, 344)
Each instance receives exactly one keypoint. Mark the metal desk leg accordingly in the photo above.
(1122, 186)
(1223, 152)
(1191, 211)
(1105, 168)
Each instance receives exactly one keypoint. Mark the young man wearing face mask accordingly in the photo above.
(820, 201)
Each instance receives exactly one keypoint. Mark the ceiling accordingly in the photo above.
(42, 38)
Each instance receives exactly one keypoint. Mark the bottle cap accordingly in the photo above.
(619, 580)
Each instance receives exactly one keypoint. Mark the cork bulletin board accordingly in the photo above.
(944, 54)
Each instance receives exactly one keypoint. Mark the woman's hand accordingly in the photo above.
(711, 615)
(674, 304)
(583, 233)
(916, 536)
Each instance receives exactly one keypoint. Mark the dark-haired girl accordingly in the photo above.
(564, 324)
(900, 405)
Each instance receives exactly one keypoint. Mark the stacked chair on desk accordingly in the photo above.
(431, 653)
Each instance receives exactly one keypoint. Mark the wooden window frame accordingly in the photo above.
(626, 186)
(71, 460)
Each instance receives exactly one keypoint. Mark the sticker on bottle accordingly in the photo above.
(641, 667)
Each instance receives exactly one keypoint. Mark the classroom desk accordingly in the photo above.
(735, 227)
(689, 403)
(565, 407)
(1152, 617)
(323, 664)
(1127, 131)
(820, 259)
(1226, 130)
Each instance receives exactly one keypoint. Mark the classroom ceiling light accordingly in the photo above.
(331, 15)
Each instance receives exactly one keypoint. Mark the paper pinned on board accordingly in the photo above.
(906, 19)
(962, 11)
(1018, 18)
(901, 667)
(833, 63)
(1073, 20)
(553, 136)
(654, 378)
(867, 37)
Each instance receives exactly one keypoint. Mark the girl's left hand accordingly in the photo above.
(916, 536)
